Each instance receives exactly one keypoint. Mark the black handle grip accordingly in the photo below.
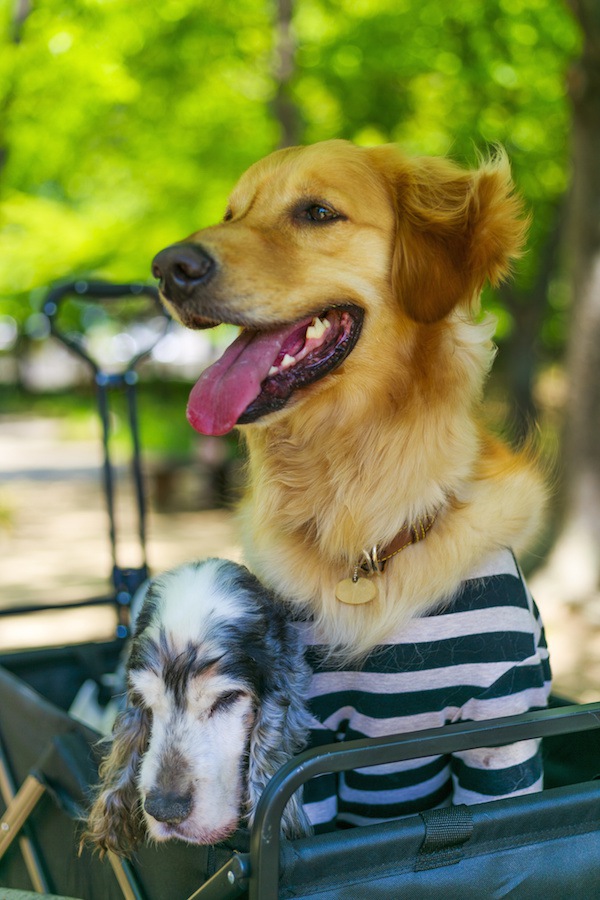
(102, 291)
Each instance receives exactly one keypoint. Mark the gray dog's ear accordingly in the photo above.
(115, 821)
(279, 732)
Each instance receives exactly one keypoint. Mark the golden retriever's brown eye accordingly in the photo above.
(228, 215)
(320, 213)
(311, 211)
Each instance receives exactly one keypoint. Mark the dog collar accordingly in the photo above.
(360, 587)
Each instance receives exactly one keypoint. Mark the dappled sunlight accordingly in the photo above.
(54, 537)
(57, 628)
(57, 550)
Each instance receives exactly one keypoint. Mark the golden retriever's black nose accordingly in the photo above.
(181, 268)
(168, 807)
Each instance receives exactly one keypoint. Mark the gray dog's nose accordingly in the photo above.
(169, 807)
(181, 268)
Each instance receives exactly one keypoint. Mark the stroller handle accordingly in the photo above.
(105, 291)
(125, 580)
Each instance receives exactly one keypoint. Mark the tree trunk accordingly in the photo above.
(572, 573)
(528, 309)
(284, 107)
(582, 445)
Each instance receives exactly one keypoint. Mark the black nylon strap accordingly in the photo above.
(125, 580)
(107, 469)
(136, 462)
(446, 832)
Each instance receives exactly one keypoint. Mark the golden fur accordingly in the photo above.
(395, 432)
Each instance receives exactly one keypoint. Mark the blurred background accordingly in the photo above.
(123, 126)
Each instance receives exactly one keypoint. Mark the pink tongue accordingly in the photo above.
(226, 388)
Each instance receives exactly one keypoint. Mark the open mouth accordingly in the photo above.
(260, 371)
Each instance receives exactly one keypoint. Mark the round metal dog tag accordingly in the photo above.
(363, 590)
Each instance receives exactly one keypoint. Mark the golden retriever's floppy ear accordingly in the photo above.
(455, 230)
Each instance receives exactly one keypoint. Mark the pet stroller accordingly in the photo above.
(544, 845)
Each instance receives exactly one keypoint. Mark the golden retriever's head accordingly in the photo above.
(323, 253)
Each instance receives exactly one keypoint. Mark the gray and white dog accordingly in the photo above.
(216, 682)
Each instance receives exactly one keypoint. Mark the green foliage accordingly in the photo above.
(125, 124)
(445, 79)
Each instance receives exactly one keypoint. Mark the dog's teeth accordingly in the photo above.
(313, 331)
(285, 363)
(317, 329)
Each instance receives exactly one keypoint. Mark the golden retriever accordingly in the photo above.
(355, 274)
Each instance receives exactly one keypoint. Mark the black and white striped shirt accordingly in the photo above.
(484, 655)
